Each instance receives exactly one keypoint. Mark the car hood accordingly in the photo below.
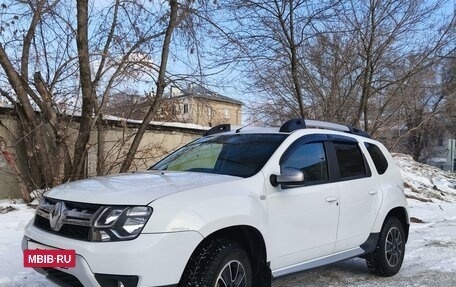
(138, 188)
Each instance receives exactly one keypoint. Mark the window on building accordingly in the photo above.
(185, 108)
(440, 141)
(227, 113)
(209, 112)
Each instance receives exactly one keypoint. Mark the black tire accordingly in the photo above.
(388, 256)
(210, 264)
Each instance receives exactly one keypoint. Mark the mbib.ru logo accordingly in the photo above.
(49, 258)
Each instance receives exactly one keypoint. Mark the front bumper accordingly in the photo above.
(157, 259)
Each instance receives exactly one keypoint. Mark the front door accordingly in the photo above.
(303, 219)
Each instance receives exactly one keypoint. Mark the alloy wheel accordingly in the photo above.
(232, 275)
(393, 247)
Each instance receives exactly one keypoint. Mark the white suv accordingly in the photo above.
(233, 208)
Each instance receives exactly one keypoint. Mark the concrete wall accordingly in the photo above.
(158, 141)
(9, 185)
(155, 144)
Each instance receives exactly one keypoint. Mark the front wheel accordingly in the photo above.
(232, 274)
(388, 256)
(219, 263)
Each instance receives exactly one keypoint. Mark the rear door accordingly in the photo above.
(359, 194)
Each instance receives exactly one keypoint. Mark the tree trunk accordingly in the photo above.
(160, 88)
(100, 147)
(80, 148)
(295, 65)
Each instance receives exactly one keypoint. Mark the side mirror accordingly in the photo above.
(289, 176)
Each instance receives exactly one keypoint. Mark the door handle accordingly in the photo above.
(372, 192)
(331, 199)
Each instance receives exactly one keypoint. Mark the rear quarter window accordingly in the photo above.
(380, 162)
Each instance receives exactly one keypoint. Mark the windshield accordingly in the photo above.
(234, 154)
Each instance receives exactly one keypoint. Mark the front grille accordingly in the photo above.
(74, 231)
(76, 220)
(42, 223)
(62, 277)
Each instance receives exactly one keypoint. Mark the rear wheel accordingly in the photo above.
(387, 258)
(219, 263)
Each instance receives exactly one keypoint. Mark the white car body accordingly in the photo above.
(301, 227)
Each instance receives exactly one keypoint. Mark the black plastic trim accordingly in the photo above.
(339, 138)
(333, 167)
(371, 243)
(62, 278)
(108, 280)
(359, 132)
(301, 141)
(292, 125)
(218, 129)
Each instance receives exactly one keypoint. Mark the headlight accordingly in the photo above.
(120, 223)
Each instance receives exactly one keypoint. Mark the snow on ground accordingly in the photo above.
(430, 258)
(424, 182)
(13, 218)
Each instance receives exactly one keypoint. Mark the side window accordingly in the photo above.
(311, 160)
(381, 164)
(350, 160)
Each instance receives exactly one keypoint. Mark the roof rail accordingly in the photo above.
(218, 129)
(296, 124)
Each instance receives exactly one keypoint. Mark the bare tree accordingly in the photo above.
(87, 89)
(173, 20)
(269, 40)
(390, 33)
(354, 57)
(62, 61)
(421, 119)
(17, 75)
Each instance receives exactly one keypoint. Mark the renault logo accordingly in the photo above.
(57, 215)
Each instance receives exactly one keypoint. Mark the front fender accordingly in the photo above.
(208, 209)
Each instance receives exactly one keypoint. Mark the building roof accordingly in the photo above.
(199, 91)
(132, 123)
